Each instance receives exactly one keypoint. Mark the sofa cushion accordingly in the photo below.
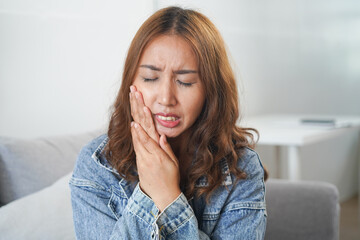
(46, 214)
(27, 166)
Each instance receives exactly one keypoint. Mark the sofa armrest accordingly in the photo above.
(302, 210)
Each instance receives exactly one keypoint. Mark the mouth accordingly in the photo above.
(167, 120)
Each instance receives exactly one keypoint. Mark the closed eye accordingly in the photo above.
(184, 83)
(150, 79)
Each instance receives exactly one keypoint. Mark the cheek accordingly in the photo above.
(147, 95)
(197, 110)
(195, 106)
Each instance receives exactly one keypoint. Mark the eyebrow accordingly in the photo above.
(152, 67)
(183, 71)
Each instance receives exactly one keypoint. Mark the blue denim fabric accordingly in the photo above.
(105, 206)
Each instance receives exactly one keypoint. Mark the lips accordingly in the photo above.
(167, 120)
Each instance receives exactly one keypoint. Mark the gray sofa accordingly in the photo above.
(35, 197)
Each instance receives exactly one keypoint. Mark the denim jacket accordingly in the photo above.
(105, 206)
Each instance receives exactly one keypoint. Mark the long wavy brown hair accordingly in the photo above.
(215, 135)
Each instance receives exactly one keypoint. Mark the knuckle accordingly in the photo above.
(147, 125)
(146, 140)
(132, 110)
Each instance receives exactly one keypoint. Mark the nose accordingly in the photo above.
(167, 93)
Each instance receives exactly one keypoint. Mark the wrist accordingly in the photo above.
(164, 200)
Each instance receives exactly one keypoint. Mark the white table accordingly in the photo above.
(288, 131)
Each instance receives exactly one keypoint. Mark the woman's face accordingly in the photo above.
(169, 80)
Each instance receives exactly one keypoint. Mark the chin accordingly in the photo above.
(168, 132)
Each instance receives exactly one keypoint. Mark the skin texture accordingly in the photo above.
(167, 82)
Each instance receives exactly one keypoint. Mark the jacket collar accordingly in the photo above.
(100, 159)
(202, 182)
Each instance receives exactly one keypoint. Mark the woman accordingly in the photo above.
(173, 164)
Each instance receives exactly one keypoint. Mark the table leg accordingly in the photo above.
(294, 171)
(279, 170)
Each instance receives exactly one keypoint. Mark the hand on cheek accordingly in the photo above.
(157, 167)
(142, 114)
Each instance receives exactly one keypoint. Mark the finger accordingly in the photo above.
(145, 117)
(139, 148)
(137, 111)
(149, 125)
(146, 141)
(167, 148)
(140, 151)
(142, 114)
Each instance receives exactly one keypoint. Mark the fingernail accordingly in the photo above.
(135, 125)
(144, 109)
(132, 124)
(137, 95)
(132, 88)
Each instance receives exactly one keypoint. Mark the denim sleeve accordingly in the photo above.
(93, 218)
(101, 211)
(242, 216)
(178, 221)
(242, 222)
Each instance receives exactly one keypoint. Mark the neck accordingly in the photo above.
(178, 145)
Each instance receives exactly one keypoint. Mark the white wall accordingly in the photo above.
(61, 62)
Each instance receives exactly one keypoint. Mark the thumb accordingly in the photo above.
(166, 147)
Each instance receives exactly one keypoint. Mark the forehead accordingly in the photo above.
(169, 51)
